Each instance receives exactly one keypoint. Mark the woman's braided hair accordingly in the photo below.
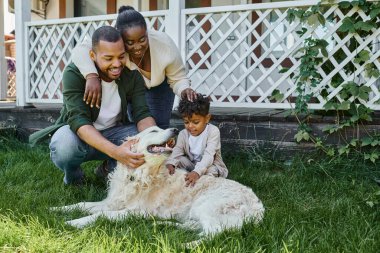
(128, 17)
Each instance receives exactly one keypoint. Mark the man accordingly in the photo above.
(83, 133)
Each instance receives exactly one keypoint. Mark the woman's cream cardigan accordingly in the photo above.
(165, 57)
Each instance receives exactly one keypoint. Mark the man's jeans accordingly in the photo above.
(160, 101)
(68, 151)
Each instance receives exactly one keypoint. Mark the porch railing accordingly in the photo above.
(235, 54)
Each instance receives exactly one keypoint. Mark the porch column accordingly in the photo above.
(173, 29)
(22, 15)
(173, 21)
(3, 63)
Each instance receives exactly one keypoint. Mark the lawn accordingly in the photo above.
(313, 204)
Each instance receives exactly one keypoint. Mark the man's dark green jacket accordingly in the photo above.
(76, 113)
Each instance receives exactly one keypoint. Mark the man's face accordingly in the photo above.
(109, 58)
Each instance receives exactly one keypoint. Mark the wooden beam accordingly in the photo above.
(62, 8)
(153, 6)
(111, 6)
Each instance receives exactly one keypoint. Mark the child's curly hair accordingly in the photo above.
(200, 106)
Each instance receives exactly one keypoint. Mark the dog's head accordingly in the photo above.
(155, 141)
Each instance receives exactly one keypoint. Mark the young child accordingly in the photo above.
(198, 145)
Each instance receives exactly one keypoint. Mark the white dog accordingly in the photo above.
(212, 204)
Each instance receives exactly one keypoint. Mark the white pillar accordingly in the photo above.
(3, 63)
(22, 15)
(173, 20)
(173, 29)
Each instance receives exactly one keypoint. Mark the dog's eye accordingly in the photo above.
(154, 131)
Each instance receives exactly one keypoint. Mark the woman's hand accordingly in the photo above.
(189, 94)
(93, 91)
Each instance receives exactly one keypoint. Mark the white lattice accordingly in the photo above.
(11, 77)
(50, 46)
(235, 54)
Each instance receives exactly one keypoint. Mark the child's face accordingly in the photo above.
(196, 123)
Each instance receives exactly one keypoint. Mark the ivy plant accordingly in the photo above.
(351, 112)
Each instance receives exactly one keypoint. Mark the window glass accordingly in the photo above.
(92, 8)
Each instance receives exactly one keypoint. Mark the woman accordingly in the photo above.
(151, 52)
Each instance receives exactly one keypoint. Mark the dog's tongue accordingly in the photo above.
(160, 149)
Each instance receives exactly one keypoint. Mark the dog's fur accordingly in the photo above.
(212, 204)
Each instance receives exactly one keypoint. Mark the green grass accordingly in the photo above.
(312, 205)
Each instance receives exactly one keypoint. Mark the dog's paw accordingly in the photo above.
(61, 208)
(78, 223)
(55, 208)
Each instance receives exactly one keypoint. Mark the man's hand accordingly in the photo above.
(171, 168)
(93, 91)
(126, 156)
(123, 153)
(191, 178)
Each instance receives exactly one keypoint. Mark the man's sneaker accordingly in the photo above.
(75, 179)
(102, 170)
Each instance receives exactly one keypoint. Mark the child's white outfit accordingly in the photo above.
(201, 154)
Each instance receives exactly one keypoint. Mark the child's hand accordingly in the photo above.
(171, 168)
(191, 178)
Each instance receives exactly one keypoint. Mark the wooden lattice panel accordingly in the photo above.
(49, 51)
(236, 55)
(11, 77)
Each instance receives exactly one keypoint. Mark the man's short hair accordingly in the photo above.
(200, 106)
(105, 33)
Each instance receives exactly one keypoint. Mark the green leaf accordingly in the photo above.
(363, 56)
(345, 105)
(374, 13)
(306, 136)
(370, 203)
(331, 152)
(355, 3)
(283, 70)
(354, 118)
(364, 26)
(321, 19)
(302, 135)
(364, 92)
(330, 105)
(347, 25)
(343, 150)
(366, 141)
(344, 5)
(312, 20)
(298, 136)
(375, 143)
(330, 129)
(371, 70)
(291, 16)
(302, 31)
(277, 95)
(372, 157)
(324, 52)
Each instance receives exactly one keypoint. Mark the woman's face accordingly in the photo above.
(135, 41)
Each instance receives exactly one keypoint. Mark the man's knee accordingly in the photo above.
(66, 147)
